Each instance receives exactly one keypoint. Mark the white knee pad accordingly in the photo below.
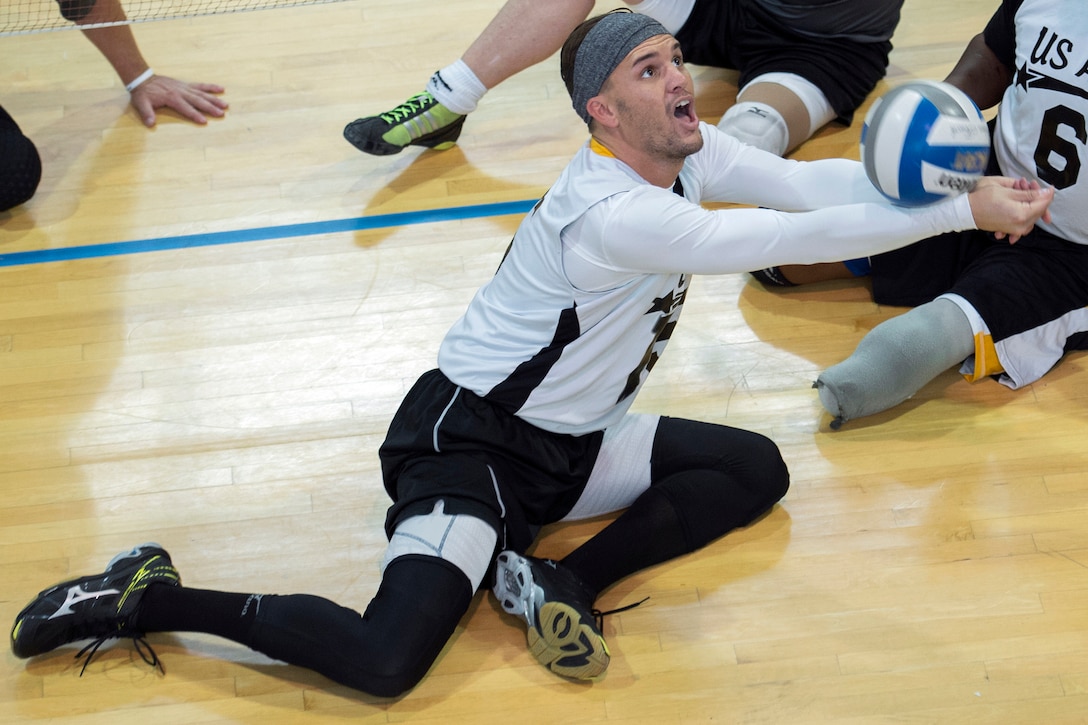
(465, 541)
(819, 109)
(757, 124)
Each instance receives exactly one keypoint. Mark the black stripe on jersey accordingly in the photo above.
(512, 393)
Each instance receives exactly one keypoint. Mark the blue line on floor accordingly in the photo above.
(379, 221)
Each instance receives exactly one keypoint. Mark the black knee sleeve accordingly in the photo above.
(751, 460)
(20, 165)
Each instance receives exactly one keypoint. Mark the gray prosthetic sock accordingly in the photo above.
(895, 360)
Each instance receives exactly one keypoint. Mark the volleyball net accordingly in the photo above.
(19, 17)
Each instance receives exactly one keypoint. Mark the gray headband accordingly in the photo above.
(603, 49)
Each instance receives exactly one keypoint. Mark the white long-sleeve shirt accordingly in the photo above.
(589, 292)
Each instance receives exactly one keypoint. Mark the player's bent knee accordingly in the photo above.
(757, 124)
(22, 171)
(765, 473)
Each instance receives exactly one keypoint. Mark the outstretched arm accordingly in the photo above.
(117, 43)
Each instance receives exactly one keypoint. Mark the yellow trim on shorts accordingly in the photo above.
(986, 360)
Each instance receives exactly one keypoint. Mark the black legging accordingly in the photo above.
(707, 480)
(20, 165)
(384, 651)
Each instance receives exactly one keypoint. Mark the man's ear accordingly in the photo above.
(601, 111)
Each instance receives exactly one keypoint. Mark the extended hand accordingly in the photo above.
(194, 101)
(1009, 207)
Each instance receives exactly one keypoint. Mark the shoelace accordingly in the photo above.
(598, 615)
(139, 641)
(406, 109)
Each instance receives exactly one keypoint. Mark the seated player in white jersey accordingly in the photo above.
(526, 421)
(1007, 311)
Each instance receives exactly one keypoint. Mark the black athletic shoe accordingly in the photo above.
(419, 121)
(563, 632)
(772, 277)
(98, 607)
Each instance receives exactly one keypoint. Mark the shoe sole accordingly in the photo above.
(560, 640)
(566, 645)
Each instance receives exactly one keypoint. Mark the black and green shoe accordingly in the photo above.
(419, 121)
(97, 607)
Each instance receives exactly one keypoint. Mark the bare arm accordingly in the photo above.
(523, 33)
(117, 44)
(980, 75)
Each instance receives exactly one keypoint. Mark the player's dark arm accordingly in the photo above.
(980, 74)
(116, 42)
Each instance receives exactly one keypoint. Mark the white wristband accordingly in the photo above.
(138, 80)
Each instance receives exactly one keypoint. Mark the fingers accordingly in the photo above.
(144, 108)
(210, 88)
(1034, 203)
(1010, 207)
(1046, 212)
(1001, 181)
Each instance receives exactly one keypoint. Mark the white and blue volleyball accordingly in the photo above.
(924, 141)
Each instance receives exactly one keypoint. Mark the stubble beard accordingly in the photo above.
(666, 146)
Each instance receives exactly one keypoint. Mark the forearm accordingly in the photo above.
(116, 42)
(759, 178)
(699, 241)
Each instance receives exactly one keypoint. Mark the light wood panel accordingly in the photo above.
(928, 565)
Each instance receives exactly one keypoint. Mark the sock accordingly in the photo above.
(182, 609)
(457, 88)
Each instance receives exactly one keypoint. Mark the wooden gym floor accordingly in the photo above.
(222, 385)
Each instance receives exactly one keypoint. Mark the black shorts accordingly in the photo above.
(741, 35)
(76, 10)
(1030, 298)
(447, 443)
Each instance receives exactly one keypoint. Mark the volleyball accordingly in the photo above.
(924, 141)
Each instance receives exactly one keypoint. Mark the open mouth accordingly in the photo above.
(685, 111)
